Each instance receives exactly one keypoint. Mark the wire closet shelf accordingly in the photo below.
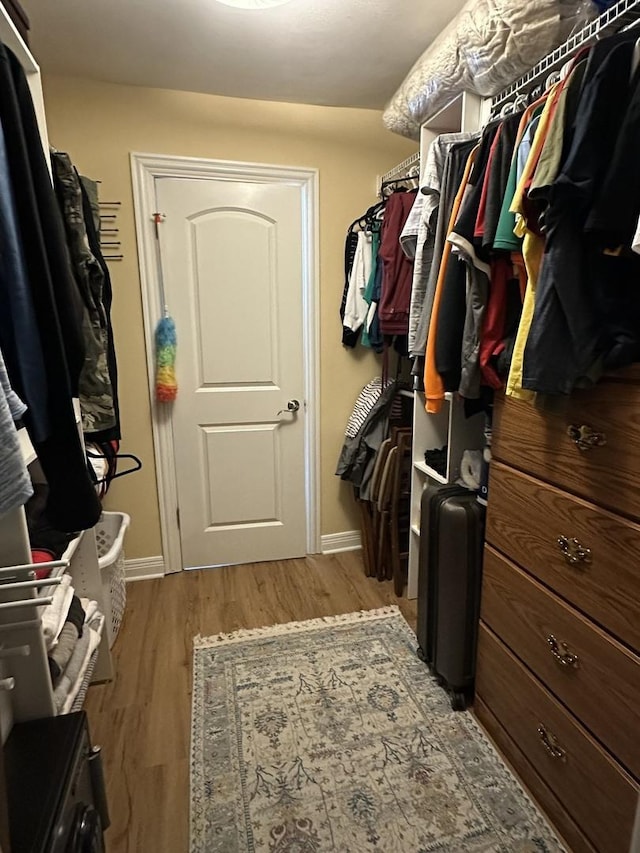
(622, 15)
(408, 167)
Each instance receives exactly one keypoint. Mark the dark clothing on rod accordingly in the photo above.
(349, 336)
(73, 502)
(96, 396)
(397, 278)
(19, 339)
(614, 216)
(452, 315)
(498, 177)
(89, 192)
(587, 313)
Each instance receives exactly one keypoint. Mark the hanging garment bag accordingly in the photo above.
(450, 573)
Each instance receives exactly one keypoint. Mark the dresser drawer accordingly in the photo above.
(536, 441)
(544, 797)
(527, 617)
(525, 520)
(595, 790)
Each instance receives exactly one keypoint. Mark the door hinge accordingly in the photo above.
(178, 517)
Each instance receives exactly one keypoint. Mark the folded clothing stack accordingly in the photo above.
(72, 677)
(54, 616)
(72, 628)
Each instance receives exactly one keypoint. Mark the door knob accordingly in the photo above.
(292, 406)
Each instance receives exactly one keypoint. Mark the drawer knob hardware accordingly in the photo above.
(585, 438)
(561, 652)
(574, 551)
(550, 743)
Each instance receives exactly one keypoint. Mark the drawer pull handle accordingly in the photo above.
(561, 652)
(574, 551)
(585, 438)
(550, 743)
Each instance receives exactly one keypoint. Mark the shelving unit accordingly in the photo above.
(449, 428)
(26, 691)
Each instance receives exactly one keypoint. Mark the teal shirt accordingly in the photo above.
(368, 293)
(505, 238)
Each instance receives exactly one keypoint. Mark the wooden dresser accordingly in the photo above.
(558, 680)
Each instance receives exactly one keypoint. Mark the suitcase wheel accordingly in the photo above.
(458, 701)
(421, 655)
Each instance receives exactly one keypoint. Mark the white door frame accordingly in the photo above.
(145, 168)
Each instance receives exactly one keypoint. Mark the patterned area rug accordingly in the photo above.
(331, 735)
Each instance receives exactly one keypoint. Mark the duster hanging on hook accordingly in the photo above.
(166, 338)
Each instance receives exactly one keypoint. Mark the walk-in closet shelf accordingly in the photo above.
(449, 428)
(26, 690)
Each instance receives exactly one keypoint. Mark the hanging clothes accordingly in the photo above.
(453, 171)
(587, 311)
(349, 337)
(15, 483)
(73, 504)
(533, 243)
(91, 208)
(356, 308)
(370, 333)
(433, 385)
(462, 308)
(419, 238)
(19, 337)
(94, 384)
(397, 275)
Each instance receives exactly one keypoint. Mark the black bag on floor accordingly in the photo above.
(450, 574)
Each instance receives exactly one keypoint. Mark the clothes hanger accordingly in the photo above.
(635, 59)
(137, 465)
(551, 80)
(536, 93)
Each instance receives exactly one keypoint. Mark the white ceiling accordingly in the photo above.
(334, 52)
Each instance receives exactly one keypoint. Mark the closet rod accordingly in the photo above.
(621, 15)
(28, 623)
(52, 564)
(34, 584)
(25, 602)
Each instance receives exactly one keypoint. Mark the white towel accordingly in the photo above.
(55, 614)
(89, 608)
(95, 634)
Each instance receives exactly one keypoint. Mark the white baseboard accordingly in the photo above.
(144, 569)
(147, 568)
(334, 543)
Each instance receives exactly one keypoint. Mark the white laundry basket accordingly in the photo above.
(110, 531)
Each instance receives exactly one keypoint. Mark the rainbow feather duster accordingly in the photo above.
(166, 346)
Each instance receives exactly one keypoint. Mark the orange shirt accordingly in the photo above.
(433, 384)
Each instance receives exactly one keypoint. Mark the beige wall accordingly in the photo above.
(99, 124)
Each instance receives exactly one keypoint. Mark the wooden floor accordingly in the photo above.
(142, 718)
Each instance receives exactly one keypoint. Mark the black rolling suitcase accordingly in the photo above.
(450, 573)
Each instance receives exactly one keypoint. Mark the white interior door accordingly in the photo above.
(232, 259)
